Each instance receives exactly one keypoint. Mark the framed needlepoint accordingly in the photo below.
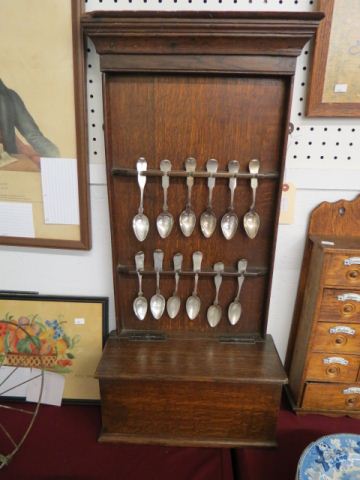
(63, 335)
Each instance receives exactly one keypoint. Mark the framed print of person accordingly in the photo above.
(43, 143)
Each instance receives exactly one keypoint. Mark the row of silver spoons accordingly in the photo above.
(193, 302)
(187, 218)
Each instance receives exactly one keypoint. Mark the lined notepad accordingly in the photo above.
(60, 191)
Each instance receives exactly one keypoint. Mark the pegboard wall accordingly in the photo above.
(323, 143)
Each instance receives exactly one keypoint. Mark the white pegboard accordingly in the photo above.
(316, 143)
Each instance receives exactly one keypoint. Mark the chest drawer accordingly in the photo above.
(340, 305)
(332, 368)
(337, 396)
(333, 337)
(342, 270)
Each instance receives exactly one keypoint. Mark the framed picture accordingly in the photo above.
(59, 334)
(334, 85)
(43, 141)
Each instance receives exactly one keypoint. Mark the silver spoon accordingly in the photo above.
(193, 302)
(215, 311)
(234, 311)
(208, 218)
(157, 302)
(187, 217)
(173, 303)
(230, 221)
(165, 220)
(251, 218)
(140, 221)
(140, 304)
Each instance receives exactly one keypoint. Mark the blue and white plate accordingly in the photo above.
(333, 457)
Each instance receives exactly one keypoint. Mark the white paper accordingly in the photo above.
(79, 321)
(340, 88)
(60, 191)
(16, 219)
(53, 388)
(13, 381)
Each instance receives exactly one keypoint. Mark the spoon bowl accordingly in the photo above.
(140, 306)
(229, 225)
(251, 223)
(141, 226)
(157, 305)
(234, 312)
(207, 223)
(187, 222)
(164, 224)
(214, 315)
(173, 306)
(193, 305)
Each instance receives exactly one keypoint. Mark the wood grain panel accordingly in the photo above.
(331, 368)
(166, 116)
(325, 341)
(335, 310)
(338, 273)
(151, 412)
(326, 397)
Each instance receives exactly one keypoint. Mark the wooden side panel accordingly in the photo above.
(189, 413)
(309, 306)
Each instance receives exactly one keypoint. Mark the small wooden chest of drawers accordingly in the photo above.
(324, 355)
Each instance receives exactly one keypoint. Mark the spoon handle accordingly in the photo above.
(242, 265)
(197, 259)
(141, 166)
(158, 265)
(165, 167)
(218, 268)
(178, 258)
(233, 167)
(190, 167)
(254, 167)
(211, 167)
(139, 262)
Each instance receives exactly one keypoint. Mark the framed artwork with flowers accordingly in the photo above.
(60, 334)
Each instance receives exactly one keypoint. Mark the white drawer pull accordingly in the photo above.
(342, 329)
(351, 390)
(339, 360)
(352, 261)
(349, 296)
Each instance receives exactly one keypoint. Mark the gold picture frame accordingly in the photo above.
(43, 123)
(334, 83)
(60, 334)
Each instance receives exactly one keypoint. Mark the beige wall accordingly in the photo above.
(36, 60)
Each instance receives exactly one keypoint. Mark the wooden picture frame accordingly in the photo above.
(334, 67)
(60, 334)
(48, 83)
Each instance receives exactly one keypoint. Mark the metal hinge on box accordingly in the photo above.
(240, 339)
(144, 336)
